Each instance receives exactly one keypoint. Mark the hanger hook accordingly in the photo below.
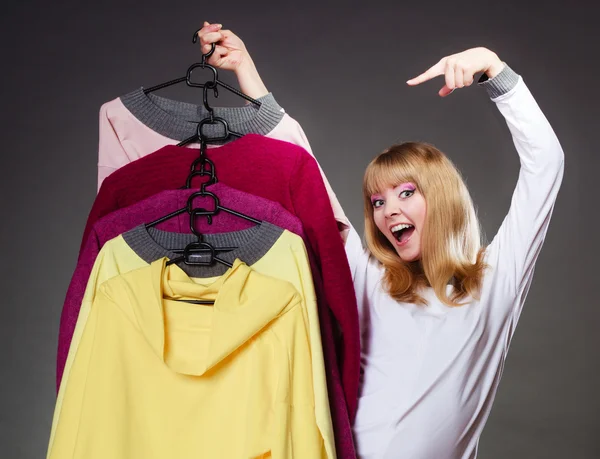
(209, 85)
(212, 48)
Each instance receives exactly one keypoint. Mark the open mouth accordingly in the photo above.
(402, 232)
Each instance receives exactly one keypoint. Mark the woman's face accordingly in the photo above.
(399, 213)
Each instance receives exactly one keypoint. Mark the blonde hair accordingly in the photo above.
(451, 245)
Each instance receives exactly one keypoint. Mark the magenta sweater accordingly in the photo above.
(276, 170)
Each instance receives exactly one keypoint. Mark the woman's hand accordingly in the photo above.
(231, 54)
(459, 69)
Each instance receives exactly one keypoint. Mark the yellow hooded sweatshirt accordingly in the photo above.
(154, 377)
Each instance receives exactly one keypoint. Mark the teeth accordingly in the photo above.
(401, 226)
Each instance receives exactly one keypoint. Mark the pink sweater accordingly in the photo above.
(137, 124)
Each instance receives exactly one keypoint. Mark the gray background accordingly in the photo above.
(340, 71)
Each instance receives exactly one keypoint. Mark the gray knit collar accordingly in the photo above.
(178, 120)
(151, 244)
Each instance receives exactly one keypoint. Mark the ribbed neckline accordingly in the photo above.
(151, 244)
(179, 120)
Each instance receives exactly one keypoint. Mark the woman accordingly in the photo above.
(437, 309)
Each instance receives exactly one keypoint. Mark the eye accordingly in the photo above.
(377, 203)
(407, 193)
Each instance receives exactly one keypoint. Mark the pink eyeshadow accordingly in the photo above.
(407, 186)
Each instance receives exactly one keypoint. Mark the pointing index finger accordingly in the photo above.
(432, 72)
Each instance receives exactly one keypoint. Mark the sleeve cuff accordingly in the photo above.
(502, 83)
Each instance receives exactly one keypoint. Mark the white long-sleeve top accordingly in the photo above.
(430, 373)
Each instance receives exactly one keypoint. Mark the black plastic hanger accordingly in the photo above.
(211, 84)
(196, 212)
(202, 64)
(198, 253)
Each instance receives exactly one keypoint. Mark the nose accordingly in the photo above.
(391, 209)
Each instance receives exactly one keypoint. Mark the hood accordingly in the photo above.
(192, 339)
